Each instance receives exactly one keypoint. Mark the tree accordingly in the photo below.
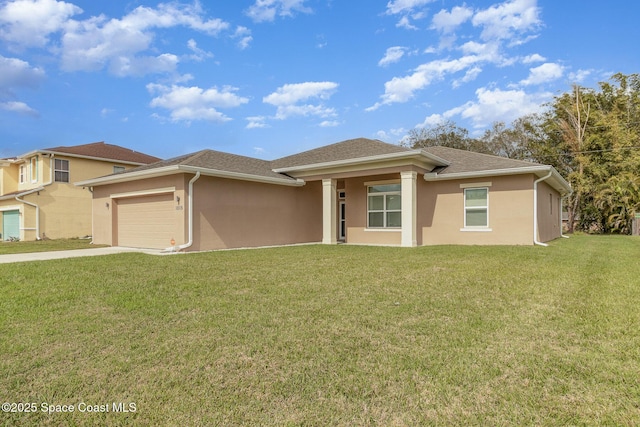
(619, 201)
(445, 134)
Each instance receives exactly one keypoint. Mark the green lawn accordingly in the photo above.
(44, 246)
(329, 335)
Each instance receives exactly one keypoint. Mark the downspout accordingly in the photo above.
(35, 206)
(535, 209)
(190, 242)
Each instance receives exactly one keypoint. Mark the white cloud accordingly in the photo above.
(267, 10)
(243, 35)
(198, 54)
(257, 122)
(393, 54)
(406, 24)
(405, 6)
(499, 105)
(194, 103)
(529, 59)
(446, 22)
(505, 20)
(18, 107)
(401, 89)
(18, 73)
(29, 23)
(580, 75)
(469, 76)
(544, 73)
(329, 124)
(287, 98)
(119, 44)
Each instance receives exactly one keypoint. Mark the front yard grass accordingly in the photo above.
(44, 246)
(329, 335)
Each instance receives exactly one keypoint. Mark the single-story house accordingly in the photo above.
(359, 191)
(37, 196)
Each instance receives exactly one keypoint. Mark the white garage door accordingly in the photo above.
(147, 222)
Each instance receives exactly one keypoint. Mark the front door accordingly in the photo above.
(10, 225)
(342, 226)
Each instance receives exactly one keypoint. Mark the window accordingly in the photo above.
(61, 170)
(34, 169)
(118, 169)
(384, 206)
(22, 170)
(476, 207)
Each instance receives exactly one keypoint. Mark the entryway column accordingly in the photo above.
(329, 210)
(409, 208)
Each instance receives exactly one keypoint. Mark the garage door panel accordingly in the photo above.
(10, 224)
(146, 222)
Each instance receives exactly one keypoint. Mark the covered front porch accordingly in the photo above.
(379, 209)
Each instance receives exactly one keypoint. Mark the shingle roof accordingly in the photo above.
(106, 151)
(469, 161)
(350, 149)
(220, 161)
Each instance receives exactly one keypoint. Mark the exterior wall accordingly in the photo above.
(549, 222)
(8, 178)
(65, 210)
(105, 208)
(356, 213)
(232, 214)
(441, 212)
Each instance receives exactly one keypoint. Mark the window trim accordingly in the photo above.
(384, 210)
(23, 170)
(56, 170)
(476, 208)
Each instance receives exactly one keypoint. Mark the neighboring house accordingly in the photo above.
(359, 191)
(37, 195)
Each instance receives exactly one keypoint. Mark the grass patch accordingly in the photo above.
(330, 335)
(45, 246)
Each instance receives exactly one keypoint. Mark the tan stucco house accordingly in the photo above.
(37, 196)
(359, 191)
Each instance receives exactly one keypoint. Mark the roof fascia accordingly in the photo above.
(174, 169)
(365, 160)
(539, 171)
(243, 176)
(82, 156)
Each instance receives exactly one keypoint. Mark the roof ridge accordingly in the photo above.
(484, 154)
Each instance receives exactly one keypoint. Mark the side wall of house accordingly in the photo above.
(232, 214)
(441, 211)
(549, 222)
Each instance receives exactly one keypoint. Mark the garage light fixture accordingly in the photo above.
(107, 205)
(178, 199)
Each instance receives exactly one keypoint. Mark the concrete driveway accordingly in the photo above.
(43, 256)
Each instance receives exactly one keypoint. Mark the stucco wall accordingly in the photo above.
(549, 222)
(105, 208)
(232, 214)
(356, 213)
(441, 212)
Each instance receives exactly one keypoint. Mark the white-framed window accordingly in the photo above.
(61, 170)
(384, 206)
(118, 169)
(22, 173)
(34, 169)
(476, 207)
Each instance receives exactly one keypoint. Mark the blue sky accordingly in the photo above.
(269, 78)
